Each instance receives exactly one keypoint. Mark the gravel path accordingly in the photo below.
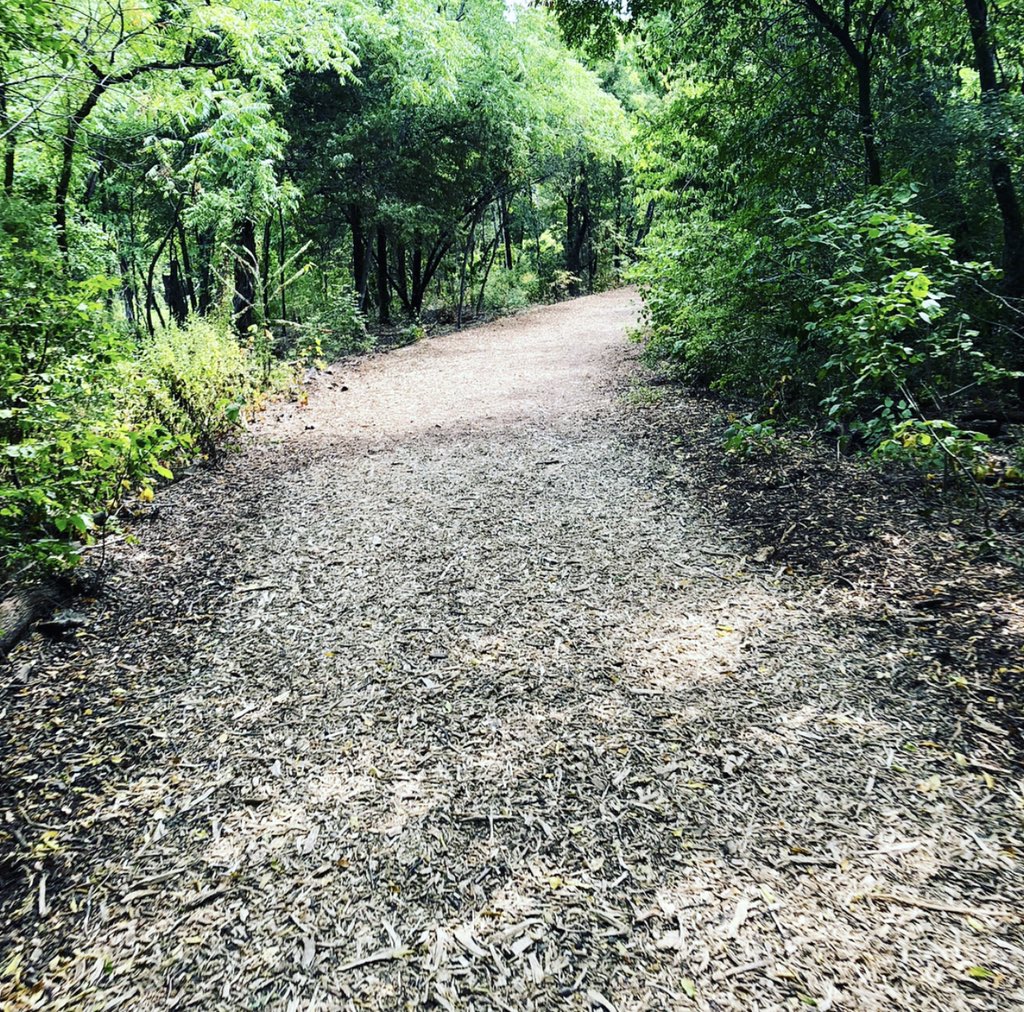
(445, 694)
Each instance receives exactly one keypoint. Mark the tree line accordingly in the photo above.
(199, 194)
(838, 187)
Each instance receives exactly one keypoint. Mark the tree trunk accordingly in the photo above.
(418, 287)
(127, 289)
(999, 166)
(383, 286)
(401, 277)
(644, 229)
(245, 275)
(174, 292)
(5, 125)
(489, 257)
(282, 238)
(617, 238)
(467, 252)
(22, 606)
(265, 267)
(866, 123)
(186, 268)
(360, 266)
(577, 229)
(151, 302)
(860, 59)
(506, 232)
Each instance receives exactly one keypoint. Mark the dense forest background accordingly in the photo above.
(821, 202)
(838, 231)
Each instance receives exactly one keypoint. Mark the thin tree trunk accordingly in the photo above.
(282, 238)
(489, 258)
(69, 140)
(245, 278)
(265, 267)
(205, 242)
(127, 288)
(401, 277)
(174, 290)
(359, 258)
(860, 59)
(151, 302)
(617, 238)
(186, 267)
(68, 144)
(467, 252)
(383, 286)
(866, 123)
(506, 232)
(536, 233)
(418, 287)
(9, 142)
(644, 229)
(1000, 168)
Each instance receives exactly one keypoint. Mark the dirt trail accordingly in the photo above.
(443, 695)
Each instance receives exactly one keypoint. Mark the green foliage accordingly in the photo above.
(708, 303)
(862, 315)
(873, 306)
(508, 291)
(336, 329)
(87, 417)
(936, 445)
(196, 382)
(892, 319)
(748, 438)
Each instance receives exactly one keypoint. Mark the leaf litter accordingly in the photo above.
(396, 713)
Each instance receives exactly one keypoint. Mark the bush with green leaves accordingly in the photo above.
(718, 305)
(861, 317)
(938, 446)
(748, 438)
(196, 381)
(89, 416)
(335, 329)
(895, 327)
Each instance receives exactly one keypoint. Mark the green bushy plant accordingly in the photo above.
(507, 291)
(67, 445)
(88, 415)
(861, 317)
(938, 446)
(749, 437)
(335, 329)
(196, 381)
(892, 328)
(718, 305)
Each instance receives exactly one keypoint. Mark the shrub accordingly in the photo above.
(861, 317)
(87, 415)
(893, 328)
(196, 381)
(719, 306)
(334, 330)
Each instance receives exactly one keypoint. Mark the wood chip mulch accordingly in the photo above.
(463, 689)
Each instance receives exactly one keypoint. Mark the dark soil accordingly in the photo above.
(941, 563)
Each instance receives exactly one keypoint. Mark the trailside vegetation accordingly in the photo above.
(838, 232)
(196, 192)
